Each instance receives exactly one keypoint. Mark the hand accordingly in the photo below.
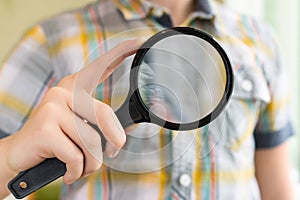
(56, 130)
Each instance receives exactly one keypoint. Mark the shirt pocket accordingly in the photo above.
(239, 119)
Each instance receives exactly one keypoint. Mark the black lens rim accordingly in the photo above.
(136, 99)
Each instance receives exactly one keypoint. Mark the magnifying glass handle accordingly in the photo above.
(30, 180)
(33, 179)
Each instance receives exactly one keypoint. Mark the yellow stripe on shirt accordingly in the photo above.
(197, 172)
(14, 103)
(83, 37)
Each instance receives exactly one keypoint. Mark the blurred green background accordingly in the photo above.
(16, 16)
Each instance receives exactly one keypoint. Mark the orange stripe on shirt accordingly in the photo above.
(137, 7)
(213, 173)
(163, 174)
(197, 172)
(91, 182)
(104, 182)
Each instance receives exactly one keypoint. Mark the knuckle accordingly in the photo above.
(44, 130)
(45, 134)
(49, 108)
(105, 113)
(66, 81)
(77, 158)
(55, 93)
(105, 108)
(46, 114)
(95, 166)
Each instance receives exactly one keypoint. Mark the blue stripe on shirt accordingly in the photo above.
(3, 134)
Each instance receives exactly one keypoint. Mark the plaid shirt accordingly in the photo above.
(214, 162)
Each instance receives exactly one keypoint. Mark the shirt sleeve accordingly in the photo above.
(25, 75)
(274, 123)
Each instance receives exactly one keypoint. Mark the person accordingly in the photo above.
(246, 158)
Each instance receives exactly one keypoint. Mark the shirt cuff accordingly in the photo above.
(274, 138)
(3, 134)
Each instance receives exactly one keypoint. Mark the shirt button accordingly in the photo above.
(157, 12)
(185, 180)
(247, 85)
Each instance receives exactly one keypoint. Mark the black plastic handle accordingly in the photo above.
(33, 179)
(49, 170)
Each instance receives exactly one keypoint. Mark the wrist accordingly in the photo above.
(6, 172)
(5, 145)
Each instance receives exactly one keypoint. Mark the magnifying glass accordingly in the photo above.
(180, 79)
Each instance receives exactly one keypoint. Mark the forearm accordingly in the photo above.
(5, 173)
(272, 173)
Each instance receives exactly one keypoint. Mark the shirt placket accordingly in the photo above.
(183, 164)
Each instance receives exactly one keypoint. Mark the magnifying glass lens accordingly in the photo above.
(181, 79)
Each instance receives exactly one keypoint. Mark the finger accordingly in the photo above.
(123, 50)
(104, 117)
(89, 77)
(111, 128)
(59, 145)
(74, 159)
(87, 139)
(58, 95)
(83, 135)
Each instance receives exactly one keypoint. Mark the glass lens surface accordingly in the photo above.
(181, 79)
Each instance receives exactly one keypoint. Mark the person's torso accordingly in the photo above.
(213, 162)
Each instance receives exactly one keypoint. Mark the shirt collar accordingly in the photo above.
(139, 9)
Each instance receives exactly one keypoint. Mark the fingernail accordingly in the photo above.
(67, 179)
(117, 122)
(111, 150)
